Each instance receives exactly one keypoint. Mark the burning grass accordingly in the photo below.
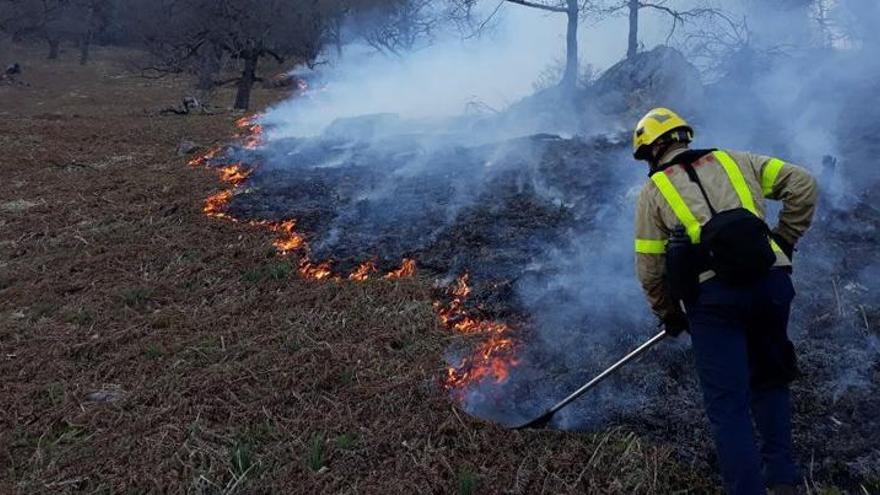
(490, 359)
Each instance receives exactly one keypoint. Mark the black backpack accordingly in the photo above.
(734, 243)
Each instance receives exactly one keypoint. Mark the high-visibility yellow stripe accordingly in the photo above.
(776, 248)
(768, 177)
(650, 246)
(738, 181)
(679, 207)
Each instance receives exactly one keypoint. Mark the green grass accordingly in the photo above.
(137, 297)
(292, 345)
(346, 378)
(346, 441)
(242, 458)
(65, 433)
(54, 393)
(316, 458)
(153, 351)
(278, 270)
(466, 481)
(41, 309)
(79, 316)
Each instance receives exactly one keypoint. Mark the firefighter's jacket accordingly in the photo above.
(732, 180)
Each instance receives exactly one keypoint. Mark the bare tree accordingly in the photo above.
(396, 26)
(194, 35)
(574, 11)
(88, 19)
(634, 7)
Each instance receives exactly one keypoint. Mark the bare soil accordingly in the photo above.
(145, 347)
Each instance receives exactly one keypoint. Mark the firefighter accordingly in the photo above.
(711, 266)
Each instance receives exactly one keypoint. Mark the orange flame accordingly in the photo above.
(253, 137)
(289, 240)
(203, 159)
(310, 271)
(492, 358)
(363, 271)
(407, 269)
(234, 174)
(215, 205)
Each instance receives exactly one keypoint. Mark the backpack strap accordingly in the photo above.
(679, 207)
(737, 181)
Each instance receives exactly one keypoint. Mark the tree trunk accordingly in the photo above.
(569, 79)
(633, 45)
(208, 68)
(84, 46)
(337, 37)
(53, 48)
(248, 76)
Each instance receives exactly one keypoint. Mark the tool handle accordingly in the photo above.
(611, 369)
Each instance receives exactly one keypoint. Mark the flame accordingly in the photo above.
(407, 269)
(205, 158)
(288, 240)
(492, 358)
(363, 271)
(234, 174)
(253, 137)
(216, 204)
(310, 271)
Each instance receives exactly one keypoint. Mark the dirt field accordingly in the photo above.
(147, 348)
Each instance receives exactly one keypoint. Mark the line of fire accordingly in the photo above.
(491, 359)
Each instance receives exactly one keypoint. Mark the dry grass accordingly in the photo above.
(218, 371)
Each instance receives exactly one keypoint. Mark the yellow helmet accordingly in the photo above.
(654, 125)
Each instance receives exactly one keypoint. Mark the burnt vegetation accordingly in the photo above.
(354, 310)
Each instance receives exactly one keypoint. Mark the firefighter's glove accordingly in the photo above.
(787, 247)
(675, 323)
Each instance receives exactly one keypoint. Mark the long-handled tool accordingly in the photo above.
(542, 420)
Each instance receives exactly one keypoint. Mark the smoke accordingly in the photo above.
(451, 77)
(428, 156)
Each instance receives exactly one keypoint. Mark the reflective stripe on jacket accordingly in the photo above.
(731, 180)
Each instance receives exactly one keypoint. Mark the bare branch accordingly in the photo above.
(541, 6)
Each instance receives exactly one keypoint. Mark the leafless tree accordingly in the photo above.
(632, 8)
(196, 34)
(396, 26)
(87, 19)
(55, 21)
(574, 11)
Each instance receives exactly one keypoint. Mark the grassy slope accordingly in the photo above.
(231, 373)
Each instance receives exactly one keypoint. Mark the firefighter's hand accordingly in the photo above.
(787, 247)
(675, 323)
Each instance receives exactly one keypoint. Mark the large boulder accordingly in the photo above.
(661, 77)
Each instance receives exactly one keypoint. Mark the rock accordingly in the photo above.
(104, 395)
(17, 206)
(187, 147)
(661, 77)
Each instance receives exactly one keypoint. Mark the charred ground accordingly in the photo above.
(539, 194)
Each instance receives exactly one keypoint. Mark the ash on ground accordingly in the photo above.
(542, 224)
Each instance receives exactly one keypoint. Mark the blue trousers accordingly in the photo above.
(745, 362)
